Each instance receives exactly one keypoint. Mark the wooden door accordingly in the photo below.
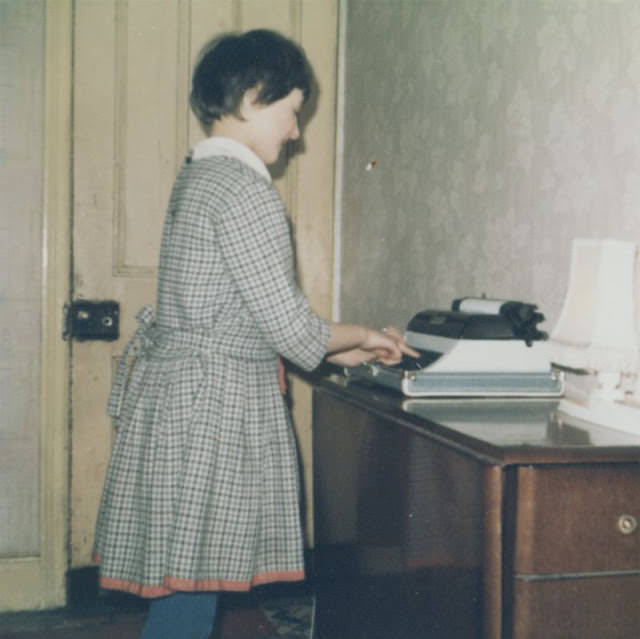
(132, 128)
(35, 85)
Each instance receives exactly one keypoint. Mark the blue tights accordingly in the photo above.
(183, 615)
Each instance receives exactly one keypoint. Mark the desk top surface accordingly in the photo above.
(504, 430)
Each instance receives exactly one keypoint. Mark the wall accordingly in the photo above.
(500, 129)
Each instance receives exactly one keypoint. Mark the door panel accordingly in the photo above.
(132, 128)
(35, 63)
(126, 134)
(150, 127)
(21, 179)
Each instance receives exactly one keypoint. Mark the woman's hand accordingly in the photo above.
(398, 337)
(384, 354)
(386, 346)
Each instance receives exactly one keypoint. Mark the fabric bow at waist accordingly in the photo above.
(140, 339)
(153, 341)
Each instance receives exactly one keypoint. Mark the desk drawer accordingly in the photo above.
(592, 608)
(578, 519)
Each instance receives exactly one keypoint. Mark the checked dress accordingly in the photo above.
(202, 489)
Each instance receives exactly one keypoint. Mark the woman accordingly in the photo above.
(201, 494)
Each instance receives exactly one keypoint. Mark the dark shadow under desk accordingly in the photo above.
(474, 518)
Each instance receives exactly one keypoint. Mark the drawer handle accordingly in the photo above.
(627, 524)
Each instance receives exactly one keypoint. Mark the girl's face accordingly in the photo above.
(271, 126)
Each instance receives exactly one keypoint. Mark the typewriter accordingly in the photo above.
(478, 348)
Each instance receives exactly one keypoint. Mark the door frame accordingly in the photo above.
(39, 581)
(57, 278)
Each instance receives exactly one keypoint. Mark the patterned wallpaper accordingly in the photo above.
(481, 136)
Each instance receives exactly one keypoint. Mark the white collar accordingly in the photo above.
(228, 146)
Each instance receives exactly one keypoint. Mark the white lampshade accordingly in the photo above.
(597, 329)
(598, 332)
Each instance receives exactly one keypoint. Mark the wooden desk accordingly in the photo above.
(471, 518)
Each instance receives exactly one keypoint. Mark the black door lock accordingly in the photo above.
(92, 320)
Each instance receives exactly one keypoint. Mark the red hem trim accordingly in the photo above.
(172, 584)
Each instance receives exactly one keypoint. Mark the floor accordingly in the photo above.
(267, 613)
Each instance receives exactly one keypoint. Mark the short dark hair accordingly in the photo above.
(231, 64)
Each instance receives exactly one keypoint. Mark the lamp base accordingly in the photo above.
(619, 415)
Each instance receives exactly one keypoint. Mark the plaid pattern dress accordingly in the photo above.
(202, 489)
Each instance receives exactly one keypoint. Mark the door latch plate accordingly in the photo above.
(92, 320)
